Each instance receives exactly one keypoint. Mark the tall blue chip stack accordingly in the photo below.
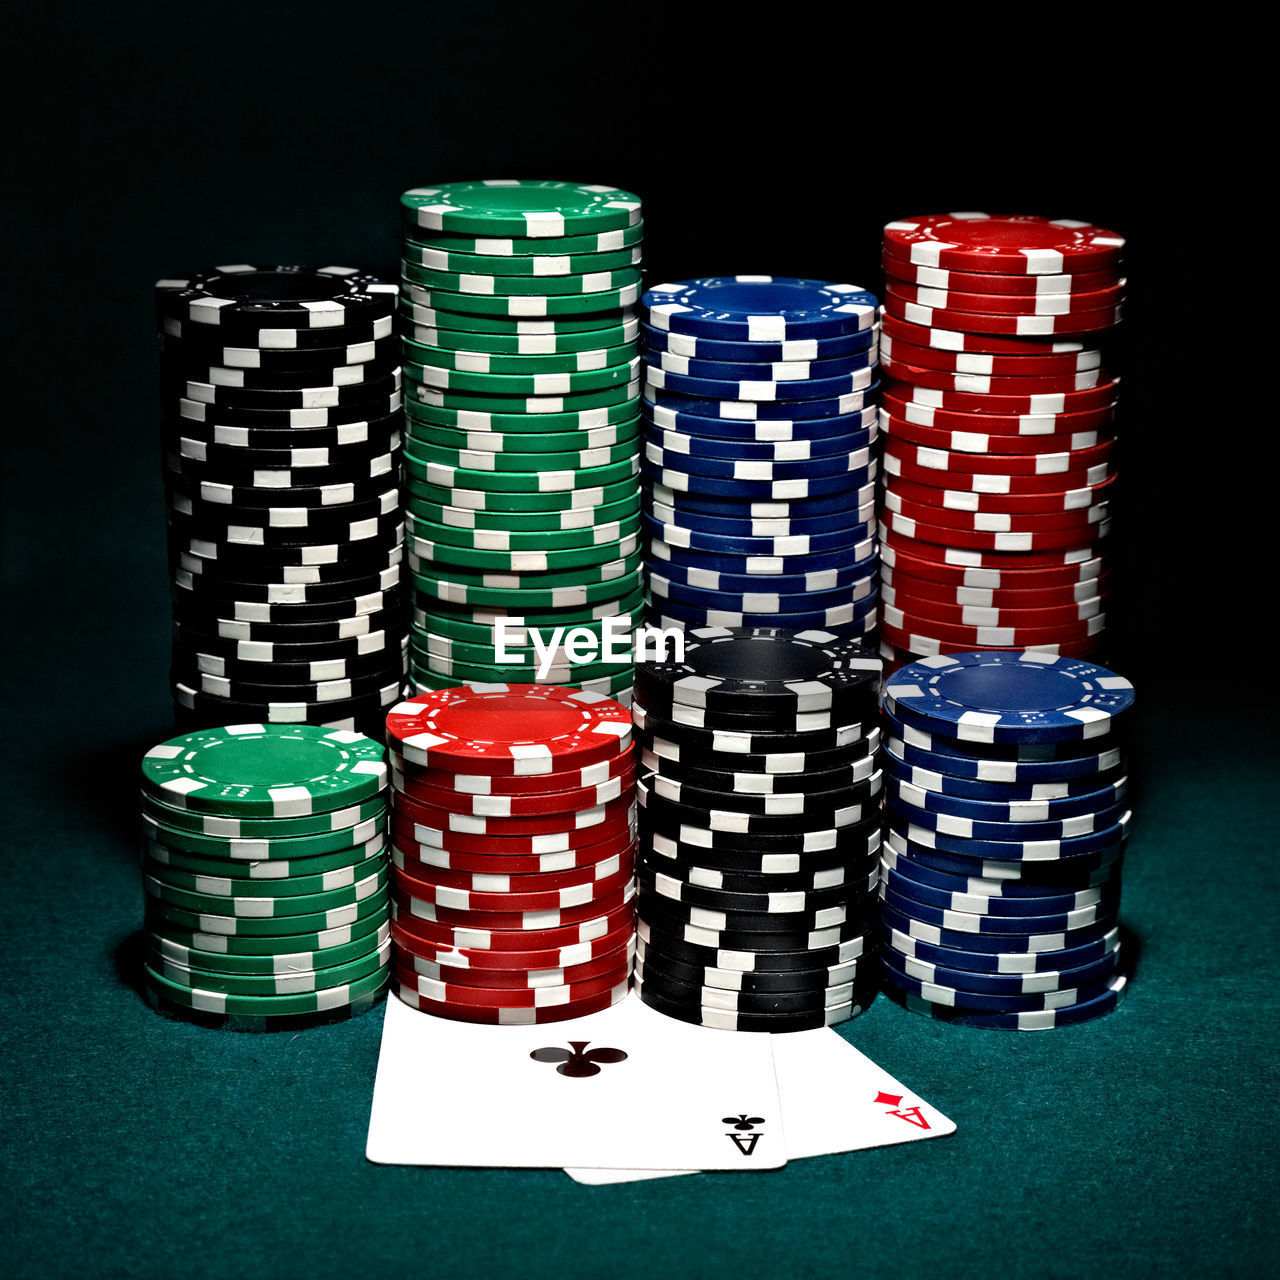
(759, 468)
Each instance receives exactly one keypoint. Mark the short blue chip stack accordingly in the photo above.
(759, 468)
(1005, 830)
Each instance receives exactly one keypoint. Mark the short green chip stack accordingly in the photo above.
(264, 867)
(522, 432)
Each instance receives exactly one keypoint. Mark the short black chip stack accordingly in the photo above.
(281, 432)
(759, 801)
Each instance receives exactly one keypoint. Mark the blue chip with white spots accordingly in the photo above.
(1009, 697)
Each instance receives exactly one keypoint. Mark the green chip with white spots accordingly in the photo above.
(490, 461)
(529, 339)
(519, 307)
(269, 926)
(615, 686)
(532, 383)
(465, 672)
(212, 824)
(533, 210)
(272, 770)
(266, 1006)
(488, 362)
(603, 571)
(548, 483)
(538, 265)
(588, 647)
(572, 519)
(570, 502)
(267, 907)
(524, 441)
(500, 540)
(480, 420)
(417, 309)
(256, 848)
(572, 402)
(485, 285)
(166, 951)
(451, 556)
(579, 587)
(284, 984)
(627, 237)
(266, 954)
(235, 887)
(266, 869)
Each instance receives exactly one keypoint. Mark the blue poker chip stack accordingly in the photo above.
(1006, 824)
(759, 806)
(759, 468)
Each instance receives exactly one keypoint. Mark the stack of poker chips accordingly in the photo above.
(514, 846)
(523, 433)
(759, 454)
(1006, 825)
(759, 796)
(998, 418)
(265, 875)
(281, 390)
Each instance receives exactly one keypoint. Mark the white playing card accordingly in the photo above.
(833, 1097)
(626, 1088)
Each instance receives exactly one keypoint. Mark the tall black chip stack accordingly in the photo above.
(281, 434)
(759, 796)
(522, 423)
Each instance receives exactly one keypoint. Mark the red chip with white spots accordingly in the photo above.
(508, 728)
(1003, 244)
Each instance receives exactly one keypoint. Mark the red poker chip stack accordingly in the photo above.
(513, 852)
(998, 418)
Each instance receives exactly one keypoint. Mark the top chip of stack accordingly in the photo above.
(265, 871)
(281, 392)
(514, 847)
(998, 412)
(1006, 824)
(760, 828)
(759, 407)
(522, 375)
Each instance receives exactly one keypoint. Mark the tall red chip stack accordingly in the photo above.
(998, 414)
(513, 834)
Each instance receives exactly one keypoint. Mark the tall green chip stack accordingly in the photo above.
(265, 875)
(521, 465)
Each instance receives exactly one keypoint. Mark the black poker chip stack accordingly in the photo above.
(281, 437)
(759, 795)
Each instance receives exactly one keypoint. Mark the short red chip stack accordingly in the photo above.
(513, 832)
(998, 416)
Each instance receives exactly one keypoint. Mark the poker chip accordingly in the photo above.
(738, 870)
(760, 432)
(987, 410)
(265, 874)
(513, 831)
(1006, 820)
(281, 404)
(999, 244)
(522, 384)
(1087, 1010)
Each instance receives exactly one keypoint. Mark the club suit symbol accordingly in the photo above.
(744, 1136)
(577, 1061)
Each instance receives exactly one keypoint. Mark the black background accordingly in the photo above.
(153, 140)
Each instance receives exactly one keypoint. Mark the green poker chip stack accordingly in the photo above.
(264, 870)
(521, 464)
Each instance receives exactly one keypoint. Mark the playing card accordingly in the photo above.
(833, 1098)
(625, 1088)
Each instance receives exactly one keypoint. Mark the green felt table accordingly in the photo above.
(1136, 1145)
(172, 137)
